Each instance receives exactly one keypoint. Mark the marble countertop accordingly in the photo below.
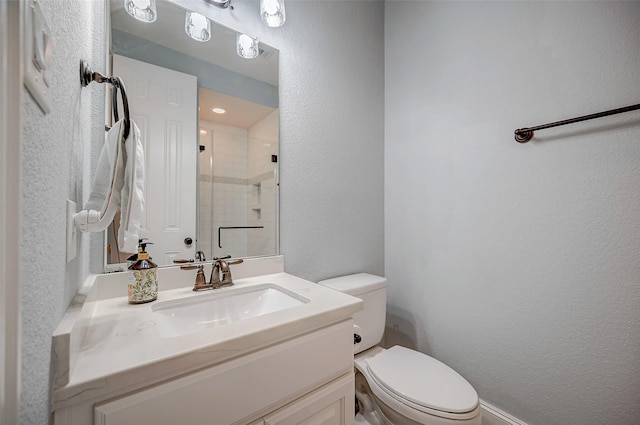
(121, 350)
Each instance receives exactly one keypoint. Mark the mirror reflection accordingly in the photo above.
(209, 123)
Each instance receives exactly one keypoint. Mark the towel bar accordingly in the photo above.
(523, 135)
(87, 76)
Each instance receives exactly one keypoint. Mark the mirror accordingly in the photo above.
(211, 179)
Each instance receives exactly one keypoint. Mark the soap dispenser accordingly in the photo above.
(143, 281)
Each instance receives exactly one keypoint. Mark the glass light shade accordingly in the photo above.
(247, 47)
(272, 12)
(222, 4)
(142, 10)
(197, 26)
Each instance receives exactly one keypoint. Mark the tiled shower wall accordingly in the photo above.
(223, 189)
(263, 186)
(238, 188)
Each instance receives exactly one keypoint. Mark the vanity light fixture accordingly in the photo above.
(197, 26)
(272, 12)
(247, 47)
(142, 10)
(222, 4)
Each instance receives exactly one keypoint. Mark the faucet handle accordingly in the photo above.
(225, 271)
(201, 281)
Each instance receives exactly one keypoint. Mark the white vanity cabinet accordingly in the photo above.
(117, 365)
(305, 380)
(332, 404)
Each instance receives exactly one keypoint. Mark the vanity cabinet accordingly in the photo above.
(305, 380)
(333, 404)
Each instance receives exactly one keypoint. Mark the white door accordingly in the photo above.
(164, 105)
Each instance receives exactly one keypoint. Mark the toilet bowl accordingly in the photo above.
(400, 386)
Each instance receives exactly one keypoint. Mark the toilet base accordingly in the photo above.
(360, 420)
(369, 411)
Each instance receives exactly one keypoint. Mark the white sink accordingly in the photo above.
(202, 311)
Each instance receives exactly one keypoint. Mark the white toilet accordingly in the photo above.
(400, 386)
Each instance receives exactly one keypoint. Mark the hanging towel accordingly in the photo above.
(109, 180)
(119, 184)
(132, 197)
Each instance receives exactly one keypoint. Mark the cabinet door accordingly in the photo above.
(332, 404)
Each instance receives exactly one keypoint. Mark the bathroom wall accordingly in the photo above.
(517, 265)
(332, 155)
(57, 157)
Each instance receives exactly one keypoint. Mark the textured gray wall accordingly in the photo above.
(56, 163)
(332, 115)
(518, 264)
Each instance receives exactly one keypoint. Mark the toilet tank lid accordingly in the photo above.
(355, 284)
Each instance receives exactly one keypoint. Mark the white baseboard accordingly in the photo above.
(491, 415)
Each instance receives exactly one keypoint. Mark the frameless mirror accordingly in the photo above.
(211, 177)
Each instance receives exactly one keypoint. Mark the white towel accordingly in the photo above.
(119, 184)
(109, 179)
(132, 198)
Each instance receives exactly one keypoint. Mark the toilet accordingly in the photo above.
(399, 386)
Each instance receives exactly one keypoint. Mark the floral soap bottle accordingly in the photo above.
(143, 281)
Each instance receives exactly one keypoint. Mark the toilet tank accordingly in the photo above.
(368, 323)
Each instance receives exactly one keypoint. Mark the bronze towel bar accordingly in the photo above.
(87, 76)
(523, 135)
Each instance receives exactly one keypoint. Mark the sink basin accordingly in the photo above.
(188, 315)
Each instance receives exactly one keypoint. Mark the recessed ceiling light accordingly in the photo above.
(218, 110)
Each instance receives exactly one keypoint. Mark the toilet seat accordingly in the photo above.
(422, 383)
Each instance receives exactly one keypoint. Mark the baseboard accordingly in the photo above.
(491, 415)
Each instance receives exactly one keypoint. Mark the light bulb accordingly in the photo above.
(272, 12)
(197, 26)
(142, 10)
(247, 47)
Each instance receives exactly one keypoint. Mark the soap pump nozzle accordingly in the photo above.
(143, 245)
(134, 257)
